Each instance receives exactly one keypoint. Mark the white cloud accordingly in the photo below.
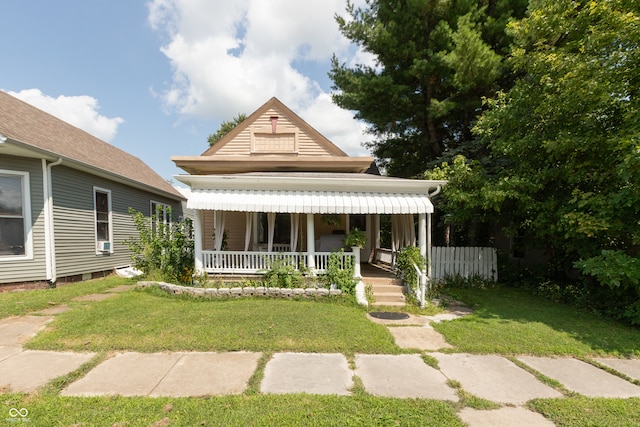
(231, 57)
(80, 111)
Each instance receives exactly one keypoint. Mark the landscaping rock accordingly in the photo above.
(223, 292)
(249, 290)
(235, 292)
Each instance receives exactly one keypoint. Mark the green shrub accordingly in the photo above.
(405, 261)
(340, 273)
(163, 250)
(457, 280)
(283, 274)
(621, 273)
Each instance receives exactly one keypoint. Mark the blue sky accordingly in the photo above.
(156, 77)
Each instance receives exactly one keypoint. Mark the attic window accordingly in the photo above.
(274, 138)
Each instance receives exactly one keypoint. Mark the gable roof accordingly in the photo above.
(273, 138)
(275, 104)
(30, 128)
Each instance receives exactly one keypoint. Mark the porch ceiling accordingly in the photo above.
(309, 201)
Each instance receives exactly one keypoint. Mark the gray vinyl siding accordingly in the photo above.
(73, 193)
(34, 269)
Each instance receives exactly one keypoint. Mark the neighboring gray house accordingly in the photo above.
(64, 198)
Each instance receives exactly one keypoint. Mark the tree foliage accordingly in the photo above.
(434, 61)
(567, 133)
(225, 127)
(563, 144)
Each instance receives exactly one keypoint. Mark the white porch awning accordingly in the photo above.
(308, 201)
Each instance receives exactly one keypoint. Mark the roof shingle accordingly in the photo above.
(37, 129)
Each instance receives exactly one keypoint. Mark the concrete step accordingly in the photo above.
(387, 288)
(382, 281)
(389, 304)
(388, 297)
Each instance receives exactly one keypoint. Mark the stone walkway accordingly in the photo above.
(490, 377)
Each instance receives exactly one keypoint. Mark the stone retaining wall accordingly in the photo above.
(242, 292)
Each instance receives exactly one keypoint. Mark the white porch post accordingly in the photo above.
(428, 257)
(311, 241)
(422, 235)
(197, 241)
(424, 238)
(376, 236)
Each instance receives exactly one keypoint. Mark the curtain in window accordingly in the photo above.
(271, 224)
(295, 225)
(248, 229)
(218, 229)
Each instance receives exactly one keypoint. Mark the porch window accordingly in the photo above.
(104, 229)
(281, 231)
(15, 215)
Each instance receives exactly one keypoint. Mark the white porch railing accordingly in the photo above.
(241, 262)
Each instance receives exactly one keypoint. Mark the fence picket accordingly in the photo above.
(465, 261)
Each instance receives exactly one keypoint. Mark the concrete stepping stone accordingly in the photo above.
(17, 330)
(94, 297)
(125, 374)
(504, 417)
(307, 373)
(629, 367)
(8, 351)
(56, 309)
(208, 374)
(493, 378)
(402, 376)
(28, 370)
(582, 377)
(419, 337)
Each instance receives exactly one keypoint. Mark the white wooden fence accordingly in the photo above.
(465, 261)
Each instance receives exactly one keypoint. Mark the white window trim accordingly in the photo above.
(95, 219)
(165, 206)
(26, 217)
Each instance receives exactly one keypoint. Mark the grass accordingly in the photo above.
(584, 411)
(510, 321)
(18, 303)
(260, 410)
(505, 321)
(151, 321)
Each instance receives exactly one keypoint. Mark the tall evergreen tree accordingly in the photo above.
(434, 62)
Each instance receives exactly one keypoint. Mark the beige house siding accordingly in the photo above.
(242, 143)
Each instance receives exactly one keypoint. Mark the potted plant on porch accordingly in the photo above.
(355, 239)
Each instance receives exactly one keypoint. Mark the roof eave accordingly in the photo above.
(372, 184)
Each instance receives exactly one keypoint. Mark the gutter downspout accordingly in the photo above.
(49, 232)
(429, 272)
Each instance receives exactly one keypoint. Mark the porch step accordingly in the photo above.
(386, 291)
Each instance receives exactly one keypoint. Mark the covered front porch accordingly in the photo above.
(244, 223)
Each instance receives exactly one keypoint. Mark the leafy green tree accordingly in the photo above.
(434, 61)
(564, 143)
(226, 127)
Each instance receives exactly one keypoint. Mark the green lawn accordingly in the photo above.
(505, 321)
(22, 302)
(584, 411)
(510, 321)
(150, 321)
(259, 410)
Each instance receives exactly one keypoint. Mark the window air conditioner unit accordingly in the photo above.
(104, 246)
